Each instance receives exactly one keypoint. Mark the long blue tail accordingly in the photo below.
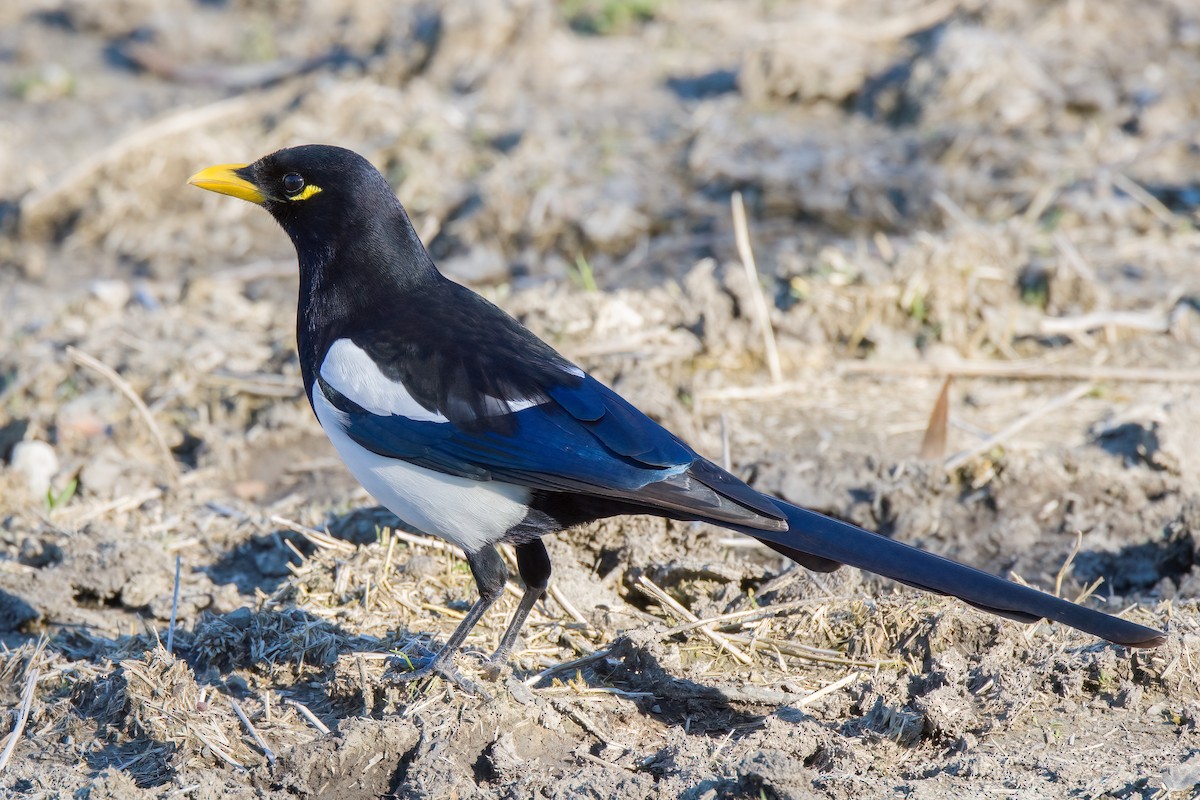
(820, 542)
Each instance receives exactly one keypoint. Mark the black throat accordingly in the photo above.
(355, 268)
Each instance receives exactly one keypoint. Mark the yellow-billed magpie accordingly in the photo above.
(468, 427)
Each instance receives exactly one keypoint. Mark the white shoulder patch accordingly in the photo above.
(520, 405)
(349, 369)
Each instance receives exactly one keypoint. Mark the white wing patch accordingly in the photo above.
(520, 405)
(469, 513)
(349, 369)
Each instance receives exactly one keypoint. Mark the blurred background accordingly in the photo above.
(527, 135)
(1005, 191)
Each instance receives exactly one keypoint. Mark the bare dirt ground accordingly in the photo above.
(1006, 191)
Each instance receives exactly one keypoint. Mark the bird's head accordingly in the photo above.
(316, 192)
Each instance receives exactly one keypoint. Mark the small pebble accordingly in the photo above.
(38, 462)
(422, 566)
(113, 293)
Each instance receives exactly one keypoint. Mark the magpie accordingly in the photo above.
(468, 427)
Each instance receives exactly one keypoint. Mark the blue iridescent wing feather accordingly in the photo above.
(585, 437)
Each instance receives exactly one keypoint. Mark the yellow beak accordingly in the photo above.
(223, 179)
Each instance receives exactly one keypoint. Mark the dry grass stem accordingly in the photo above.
(952, 210)
(570, 608)
(585, 721)
(386, 569)
(565, 666)
(808, 653)
(174, 607)
(1066, 565)
(430, 543)
(107, 372)
(309, 716)
(748, 615)
(670, 603)
(574, 689)
(900, 25)
(933, 444)
(23, 714)
(255, 271)
(295, 570)
(445, 611)
(1089, 590)
(1007, 370)
(1149, 321)
(364, 683)
(219, 751)
(1073, 258)
(117, 506)
(1148, 201)
(368, 656)
(841, 683)
(259, 384)
(318, 539)
(762, 313)
(999, 370)
(1058, 581)
(726, 455)
(416, 708)
(258, 739)
(1019, 424)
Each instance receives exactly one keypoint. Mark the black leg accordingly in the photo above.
(488, 569)
(533, 562)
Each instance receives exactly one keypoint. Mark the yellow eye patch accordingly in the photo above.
(306, 192)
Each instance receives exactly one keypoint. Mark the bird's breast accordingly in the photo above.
(468, 513)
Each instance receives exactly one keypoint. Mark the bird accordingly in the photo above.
(468, 427)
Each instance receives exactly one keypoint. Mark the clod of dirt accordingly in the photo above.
(365, 758)
(114, 783)
(15, 612)
(474, 34)
(775, 774)
(963, 68)
(816, 170)
(809, 63)
(1133, 443)
(1168, 558)
(948, 713)
(1176, 451)
(1182, 777)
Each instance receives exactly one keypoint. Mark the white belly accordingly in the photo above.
(468, 513)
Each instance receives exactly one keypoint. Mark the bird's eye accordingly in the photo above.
(292, 183)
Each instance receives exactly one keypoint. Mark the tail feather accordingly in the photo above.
(815, 540)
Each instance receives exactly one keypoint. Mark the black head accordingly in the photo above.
(318, 193)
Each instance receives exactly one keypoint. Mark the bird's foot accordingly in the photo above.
(434, 667)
